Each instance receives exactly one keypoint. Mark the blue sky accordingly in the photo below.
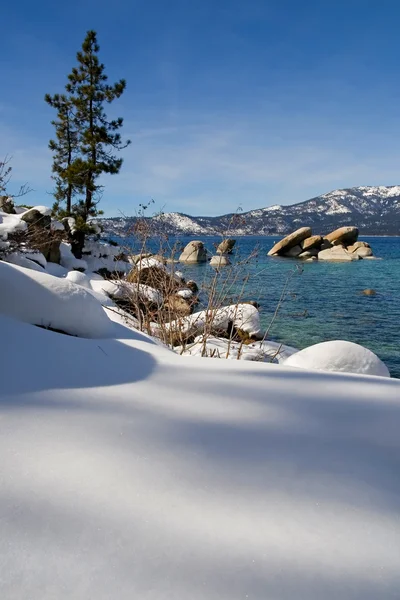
(229, 103)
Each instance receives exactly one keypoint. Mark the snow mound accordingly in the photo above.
(345, 357)
(41, 299)
(79, 278)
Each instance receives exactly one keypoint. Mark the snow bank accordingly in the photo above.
(345, 357)
(128, 472)
(42, 299)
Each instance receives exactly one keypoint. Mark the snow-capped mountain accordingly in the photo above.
(374, 210)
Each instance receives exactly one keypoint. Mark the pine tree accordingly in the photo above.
(99, 137)
(65, 149)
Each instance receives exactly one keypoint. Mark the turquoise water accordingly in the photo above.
(324, 301)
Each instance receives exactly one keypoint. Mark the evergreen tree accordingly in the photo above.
(99, 137)
(65, 148)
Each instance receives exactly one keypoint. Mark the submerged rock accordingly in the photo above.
(220, 261)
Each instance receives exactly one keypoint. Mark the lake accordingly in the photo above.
(324, 301)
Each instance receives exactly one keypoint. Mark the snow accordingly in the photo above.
(212, 347)
(130, 472)
(338, 355)
(10, 224)
(57, 226)
(185, 293)
(68, 260)
(79, 278)
(124, 290)
(37, 257)
(17, 258)
(41, 299)
(44, 210)
(56, 270)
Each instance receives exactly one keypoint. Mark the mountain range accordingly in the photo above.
(374, 210)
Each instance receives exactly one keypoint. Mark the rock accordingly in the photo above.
(357, 245)
(337, 253)
(369, 292)
(325, 244)
(135, 258)
(7, 205)
(363, 252)
(291, 240)
(194, 252)
(339, 356)
(315, 241)
(178, 306)
(220, 261)
(313, 253)
(294, 252)
(154, 277)
(192, 285)
(226, 246)
(343, 235)
(35, 217)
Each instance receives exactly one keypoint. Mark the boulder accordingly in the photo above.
(192, 285)
(358, 245)
(313, 253)
(338, 254)
(363, 252)
(220, 261)
(194, 252)
(291, 240)
(226, 246)
(343, 235)
(7, 205)
(315, 241)
(294, 252)
(35, 217)
(155, 277)
(325, 244)
(178, 306)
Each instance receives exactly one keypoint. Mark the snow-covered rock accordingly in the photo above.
(338, 355)
(244, 317)
(41, 299)
(10, 224)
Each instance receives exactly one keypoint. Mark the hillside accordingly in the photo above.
(374, 210)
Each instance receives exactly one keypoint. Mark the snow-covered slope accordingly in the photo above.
(130, 472)
(374, 210)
